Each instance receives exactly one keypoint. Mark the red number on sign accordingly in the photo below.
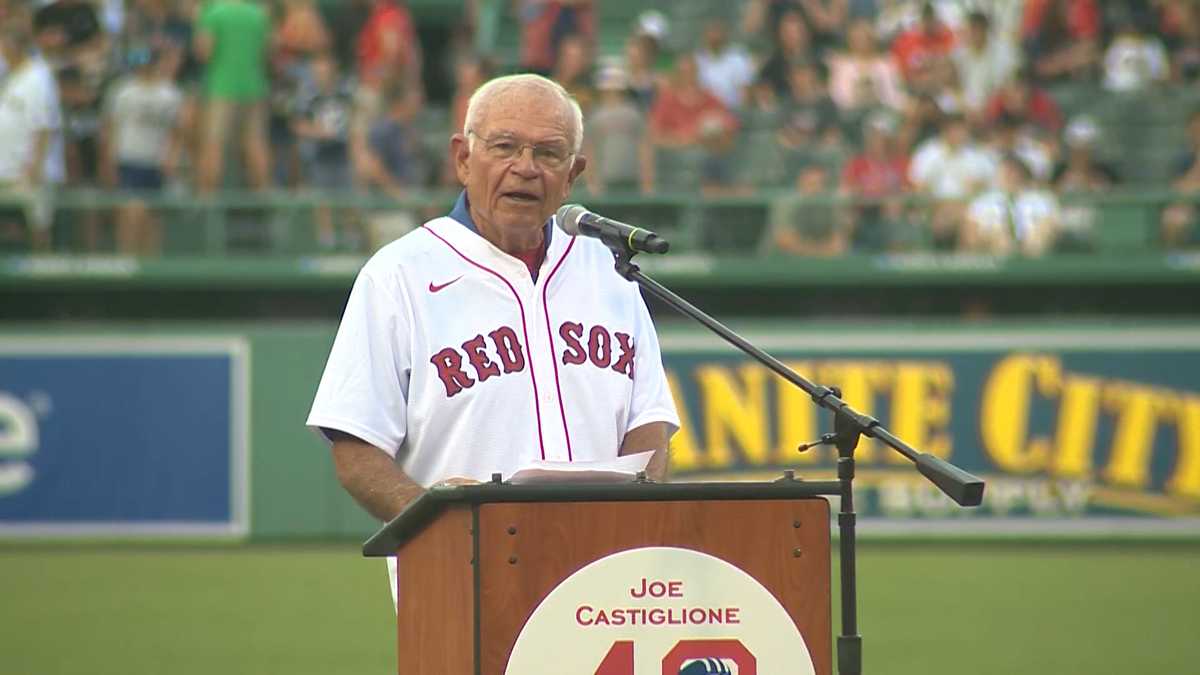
(619, 660)
(732, 650)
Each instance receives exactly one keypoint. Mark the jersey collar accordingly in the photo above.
(460, 230)
(462, 213)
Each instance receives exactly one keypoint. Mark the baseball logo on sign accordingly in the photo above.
(660, 610)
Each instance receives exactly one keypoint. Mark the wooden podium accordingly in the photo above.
(474, 562)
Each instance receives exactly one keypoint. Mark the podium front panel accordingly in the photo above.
(435, 608)
(526, 550)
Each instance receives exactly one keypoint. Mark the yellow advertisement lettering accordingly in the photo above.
(1137, 409)
(921, 406)
(1004, 415)
(1078, 415)
(1185, 478)
(734, 412)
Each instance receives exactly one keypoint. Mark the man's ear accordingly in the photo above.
(576, 169)
(460, 150)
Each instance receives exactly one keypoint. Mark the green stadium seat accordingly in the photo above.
(678, 169)
(796, 160)
(736, 228)
(759, 162)
(1123, 228)
(1074, 97)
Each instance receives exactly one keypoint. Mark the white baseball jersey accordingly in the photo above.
(451, 358)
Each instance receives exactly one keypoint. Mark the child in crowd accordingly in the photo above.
(614, 136)
(142, 140)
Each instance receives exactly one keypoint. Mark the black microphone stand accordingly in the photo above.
(848, 426)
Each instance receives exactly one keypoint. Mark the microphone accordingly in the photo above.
(575, 219)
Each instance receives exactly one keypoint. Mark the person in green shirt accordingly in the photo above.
(231, 39)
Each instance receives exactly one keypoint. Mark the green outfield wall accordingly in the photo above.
(1080, 428)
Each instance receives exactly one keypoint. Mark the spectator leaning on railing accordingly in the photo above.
(1081, 173)
(950, 168)
(806, 223)
(1180, 223)
(231, 40)
(615, 142)
(322, 123)
(30, 140)
(876, 180)
(1016, 217)
(141, 143)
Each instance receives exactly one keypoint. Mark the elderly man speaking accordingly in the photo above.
(490, 338)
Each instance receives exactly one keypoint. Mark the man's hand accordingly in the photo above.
(456, 481)
(653, 436)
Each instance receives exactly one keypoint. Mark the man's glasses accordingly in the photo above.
(546, 155)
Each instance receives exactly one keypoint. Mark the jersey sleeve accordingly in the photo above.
(364, 390)
(652, 401)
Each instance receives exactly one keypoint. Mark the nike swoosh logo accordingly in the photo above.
(434, 288)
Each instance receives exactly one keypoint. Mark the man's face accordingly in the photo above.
(323, 73)
(957, 133)
(518, 194)
(793, 34)
(685, 71)
(875, 141)
(714, 35)
(8, 51)
(977, 35)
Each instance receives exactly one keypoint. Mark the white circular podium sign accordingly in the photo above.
(660, 610)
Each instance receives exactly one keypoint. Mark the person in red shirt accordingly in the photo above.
(1061, 37)
(544, 25)
(388, 45)
(1030, 105)
(684, 112)
(685, 115)
(876, 179)
(923, 53)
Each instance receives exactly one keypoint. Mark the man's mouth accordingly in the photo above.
(522, 197)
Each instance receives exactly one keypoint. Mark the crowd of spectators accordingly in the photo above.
(874, 125)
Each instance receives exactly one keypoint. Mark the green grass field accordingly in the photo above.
(985, 609)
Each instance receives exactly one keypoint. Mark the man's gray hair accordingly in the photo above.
(501, 85)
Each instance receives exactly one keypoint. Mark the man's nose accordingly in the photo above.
(523, 163)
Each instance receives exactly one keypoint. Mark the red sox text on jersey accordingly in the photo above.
(479, 359)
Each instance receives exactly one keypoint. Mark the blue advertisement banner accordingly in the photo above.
(123, 437)
(1076, 431)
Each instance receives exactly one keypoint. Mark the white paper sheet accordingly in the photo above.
(619, 470)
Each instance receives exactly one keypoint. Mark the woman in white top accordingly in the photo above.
(1015, 218)
(862, 75)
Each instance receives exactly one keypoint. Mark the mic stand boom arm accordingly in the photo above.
(849, 424)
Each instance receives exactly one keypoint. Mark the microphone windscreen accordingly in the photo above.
(568, 216)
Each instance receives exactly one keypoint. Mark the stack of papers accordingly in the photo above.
(620, 470)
